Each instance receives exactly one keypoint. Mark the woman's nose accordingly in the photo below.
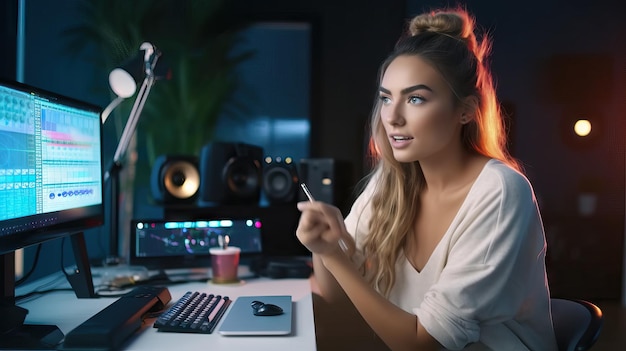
(394, 115)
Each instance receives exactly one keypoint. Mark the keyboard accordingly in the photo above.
(195, 312)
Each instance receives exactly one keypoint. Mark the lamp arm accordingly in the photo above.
(112, 172)
(131, 124)
(110, 107)
(140, 101)
(135, 113)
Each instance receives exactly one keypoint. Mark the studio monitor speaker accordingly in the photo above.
(175, 179)
(328, 180)
(280, 180)
(231, 173)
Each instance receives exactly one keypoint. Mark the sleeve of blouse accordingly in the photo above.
(496, 249)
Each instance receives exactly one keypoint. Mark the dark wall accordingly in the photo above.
(8, 46)
(354, 38)
(553, 60)
(48, 64)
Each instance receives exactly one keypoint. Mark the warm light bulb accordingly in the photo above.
(582, 127)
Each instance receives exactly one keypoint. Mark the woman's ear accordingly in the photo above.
(470, 106)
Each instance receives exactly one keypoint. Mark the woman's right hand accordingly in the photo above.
(321, 227)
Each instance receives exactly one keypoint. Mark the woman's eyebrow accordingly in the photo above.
(407, 90)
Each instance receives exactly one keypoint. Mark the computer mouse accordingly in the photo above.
(267, 309)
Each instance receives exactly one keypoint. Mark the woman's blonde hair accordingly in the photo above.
(445, 39)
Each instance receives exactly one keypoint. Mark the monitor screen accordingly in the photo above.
(50, 166)
(165, 244)
(50, 186)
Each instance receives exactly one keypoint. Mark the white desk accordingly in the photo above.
(66, 311)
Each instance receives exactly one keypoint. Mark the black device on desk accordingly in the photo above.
(51, 186)
(109, 328)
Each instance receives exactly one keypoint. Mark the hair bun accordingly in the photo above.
(455, 24)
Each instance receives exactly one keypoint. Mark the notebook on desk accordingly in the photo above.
(240, 319)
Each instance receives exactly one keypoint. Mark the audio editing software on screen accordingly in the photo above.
(49, 156)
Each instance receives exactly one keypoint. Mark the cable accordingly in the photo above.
(39, 292)
(45, 287)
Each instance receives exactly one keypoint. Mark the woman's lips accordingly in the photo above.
(399, 141)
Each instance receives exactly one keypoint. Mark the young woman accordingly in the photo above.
(445, 246)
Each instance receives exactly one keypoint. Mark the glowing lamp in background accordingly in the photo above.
(582, 127)
(582, 130)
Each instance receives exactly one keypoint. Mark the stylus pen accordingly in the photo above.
(308, 194)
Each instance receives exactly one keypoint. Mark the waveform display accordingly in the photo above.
(154, 239)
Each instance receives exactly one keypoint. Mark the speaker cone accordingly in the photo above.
(280, 180)
(241, 174)
(181, 180)
(231, 174)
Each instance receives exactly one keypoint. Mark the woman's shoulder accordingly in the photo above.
(499, 176)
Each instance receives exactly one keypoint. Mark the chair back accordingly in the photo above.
(577, 323)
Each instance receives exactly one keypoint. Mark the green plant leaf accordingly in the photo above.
(196, 38)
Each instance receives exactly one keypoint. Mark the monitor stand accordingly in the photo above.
(81, 279)
(14, 334)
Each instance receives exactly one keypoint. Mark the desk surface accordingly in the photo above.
(64, 310)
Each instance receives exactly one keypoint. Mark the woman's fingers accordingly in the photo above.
(310, 216)
(317, 213)
(320, 227)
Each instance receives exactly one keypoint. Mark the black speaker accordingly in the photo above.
(231, 173)
(175, 179)
(280, 180)
(328, 180)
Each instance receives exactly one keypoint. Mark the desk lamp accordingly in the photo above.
(123, 81)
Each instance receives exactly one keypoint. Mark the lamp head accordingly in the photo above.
(124, 79)
(122, 82)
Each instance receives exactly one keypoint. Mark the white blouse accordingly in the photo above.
(484, 287)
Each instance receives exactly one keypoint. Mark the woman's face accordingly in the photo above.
(418, 111)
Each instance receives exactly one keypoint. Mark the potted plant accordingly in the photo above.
(197, 39)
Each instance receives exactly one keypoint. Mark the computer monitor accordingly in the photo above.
(176, 243)
(50, 186)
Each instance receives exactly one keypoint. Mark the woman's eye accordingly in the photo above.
(385, 100)
(416, 100)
